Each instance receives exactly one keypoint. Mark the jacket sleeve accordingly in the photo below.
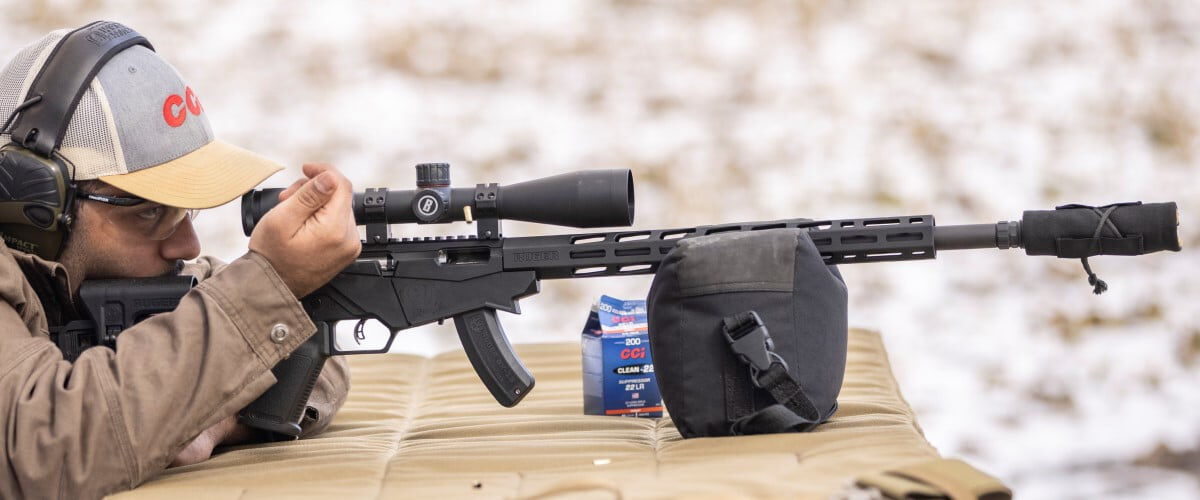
(112, 420)
(332, 385)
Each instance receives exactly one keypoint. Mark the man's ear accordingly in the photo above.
(74, 256)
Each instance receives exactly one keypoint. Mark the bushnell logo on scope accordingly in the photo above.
(427, 205)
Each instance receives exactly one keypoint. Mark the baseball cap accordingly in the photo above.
(142, 129)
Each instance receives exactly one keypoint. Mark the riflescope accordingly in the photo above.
(590, 198)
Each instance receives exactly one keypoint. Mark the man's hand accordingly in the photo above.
(202, 447)
(310, 236)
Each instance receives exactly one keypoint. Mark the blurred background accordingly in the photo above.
(733, 111)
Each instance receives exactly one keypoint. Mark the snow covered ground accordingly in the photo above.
(969, 110)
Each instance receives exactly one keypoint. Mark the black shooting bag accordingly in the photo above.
(748, 333)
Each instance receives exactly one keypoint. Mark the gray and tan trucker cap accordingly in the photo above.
(140, 128)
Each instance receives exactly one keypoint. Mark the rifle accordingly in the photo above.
(408, 282)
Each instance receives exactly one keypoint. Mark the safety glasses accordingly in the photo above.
(141, 216)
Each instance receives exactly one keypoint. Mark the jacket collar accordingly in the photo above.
(52, 284)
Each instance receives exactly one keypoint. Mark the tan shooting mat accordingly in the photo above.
(426, 427)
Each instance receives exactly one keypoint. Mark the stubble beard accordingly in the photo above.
(86, 259)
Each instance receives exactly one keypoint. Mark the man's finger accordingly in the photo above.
(310, 170)
(310, 197)
(287, 193)
(343, 204)
(314, 169)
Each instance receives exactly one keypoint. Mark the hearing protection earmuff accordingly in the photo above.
(37, 188)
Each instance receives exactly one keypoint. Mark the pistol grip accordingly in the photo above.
(492, 356)
(280, 409)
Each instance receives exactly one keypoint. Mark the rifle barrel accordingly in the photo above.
(1002, 235)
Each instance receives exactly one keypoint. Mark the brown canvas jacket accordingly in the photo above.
(114, 419)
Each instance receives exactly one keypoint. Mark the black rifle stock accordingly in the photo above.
(403, 283)
(113, 305)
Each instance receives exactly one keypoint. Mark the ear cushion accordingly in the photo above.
(33, 194)
(31, 189)
(26, 177)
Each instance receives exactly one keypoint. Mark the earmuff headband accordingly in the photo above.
(61, 82)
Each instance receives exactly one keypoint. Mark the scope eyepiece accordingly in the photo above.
(255, 204)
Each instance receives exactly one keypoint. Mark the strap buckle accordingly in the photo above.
(751, 342)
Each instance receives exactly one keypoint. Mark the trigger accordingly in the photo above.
(359, 334)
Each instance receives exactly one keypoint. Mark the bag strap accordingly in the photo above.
(751, 343)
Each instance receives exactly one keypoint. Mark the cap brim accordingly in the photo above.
(212, 175)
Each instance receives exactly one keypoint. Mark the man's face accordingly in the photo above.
(106, 241)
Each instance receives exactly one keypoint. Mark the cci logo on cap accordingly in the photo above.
(176, 108)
